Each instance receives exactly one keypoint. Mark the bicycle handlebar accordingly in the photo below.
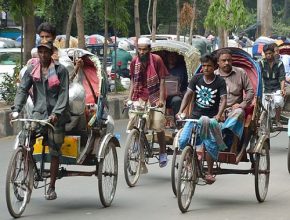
(42, 122)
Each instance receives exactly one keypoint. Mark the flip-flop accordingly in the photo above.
(209, 179)
(163, 160)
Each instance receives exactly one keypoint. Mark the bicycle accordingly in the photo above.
(138, 149)
(25, 171)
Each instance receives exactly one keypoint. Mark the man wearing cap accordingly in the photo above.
(147, 86)
(50, 84)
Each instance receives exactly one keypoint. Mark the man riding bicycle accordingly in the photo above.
(209, 94)
(148, 73)
(50, 84)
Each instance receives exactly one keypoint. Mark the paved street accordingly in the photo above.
(231, 197)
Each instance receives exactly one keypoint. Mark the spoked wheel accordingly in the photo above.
(132, 158)
(19, 182)
(174, 169)
(186, 178)
(108, 174)
(288, 158)
(262, 172)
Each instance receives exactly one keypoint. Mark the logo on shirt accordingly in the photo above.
(205, 96)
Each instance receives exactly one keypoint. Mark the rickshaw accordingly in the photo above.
(134, 150)
(89, 139)
(284, 49)
(255, 145)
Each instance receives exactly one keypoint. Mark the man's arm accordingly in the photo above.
(189, 95)
(282, 78)
(162, 93)
(222, 107)
(63, 97)
(249, 91)
(23, 91)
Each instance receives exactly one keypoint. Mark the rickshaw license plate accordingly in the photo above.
(69, 150)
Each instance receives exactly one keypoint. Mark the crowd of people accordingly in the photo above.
(219, 87)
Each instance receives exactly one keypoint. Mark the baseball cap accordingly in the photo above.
(47, 44)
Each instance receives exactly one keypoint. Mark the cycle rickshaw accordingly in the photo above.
(284, 49)
(254, 145)
(141, 145)
(89, 139)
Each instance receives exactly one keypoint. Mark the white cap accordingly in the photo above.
(144, 40)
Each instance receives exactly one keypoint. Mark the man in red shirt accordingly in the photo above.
(147, 86)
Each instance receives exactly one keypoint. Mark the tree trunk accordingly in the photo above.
(80, 24)
(264, 17)
(154, 13)
(69, 23)
(148, 16)
(137, 19)
(192, 21)
(178, 19)
(29, 31)
(286, 16)
(106, 37)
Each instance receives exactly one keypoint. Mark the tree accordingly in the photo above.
(192, 21)
(225, 15)
(264, 17)
(137, 18)
(178, 19)
(69, 23)
(186, 17)
(80, 24)
(154, 12)
(286, 16)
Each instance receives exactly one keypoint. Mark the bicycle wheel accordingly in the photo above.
(108, 175)
(174, 169)
(262, 172)
(288, 158)
(19, 182)
(186, 178)
(132, 158)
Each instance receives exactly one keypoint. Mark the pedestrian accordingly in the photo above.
(121, 59)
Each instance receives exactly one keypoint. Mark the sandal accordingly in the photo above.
(50, 194)
(163, 160)
(209, 179)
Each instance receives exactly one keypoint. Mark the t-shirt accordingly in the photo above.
(207, 95)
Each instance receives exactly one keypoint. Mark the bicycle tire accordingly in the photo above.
(262, 172)
(108, 175)
(132, 154)
(186, 178)
(174, 169)
(19, 182)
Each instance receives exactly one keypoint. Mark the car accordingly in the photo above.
(9, 58)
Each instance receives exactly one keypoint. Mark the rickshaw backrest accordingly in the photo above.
(284, 49)
(244, 60)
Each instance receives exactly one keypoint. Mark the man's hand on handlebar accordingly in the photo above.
(53, 118)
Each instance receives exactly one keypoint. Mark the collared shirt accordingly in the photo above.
(237, 83)
(46, 100)
(272, 77)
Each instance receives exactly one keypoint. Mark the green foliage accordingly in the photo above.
(227, 16)
(8, 87)
(281, 29)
